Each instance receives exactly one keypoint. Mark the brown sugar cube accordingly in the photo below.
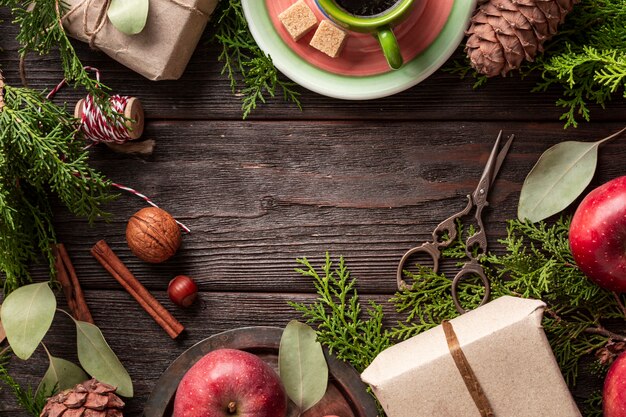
(298, 19)
(329, 39)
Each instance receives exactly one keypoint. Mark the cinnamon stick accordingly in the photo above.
(105, 255)
(66, 275)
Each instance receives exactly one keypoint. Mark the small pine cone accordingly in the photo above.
(505, 32)
(89, 399)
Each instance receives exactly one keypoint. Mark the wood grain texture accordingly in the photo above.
(204, 93)
(366, 180)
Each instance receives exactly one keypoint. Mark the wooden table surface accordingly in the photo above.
(365, 180)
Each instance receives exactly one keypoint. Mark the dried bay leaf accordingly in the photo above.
(97, 358)
(128, 16)
(61, 375)
(302, 365)
(560, 175)
(26, 316)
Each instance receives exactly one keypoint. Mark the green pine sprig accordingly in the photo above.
(40, 156)
(29, 400)
(41, 31)
(248, 68)
(593, 405)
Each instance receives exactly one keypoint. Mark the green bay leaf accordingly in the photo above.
(26, 316)
(560, 175)
(99, 360)
(302, 365)
(128, 16)
(61, 375)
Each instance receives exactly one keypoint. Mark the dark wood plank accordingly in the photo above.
(258, 195)
(204, 93)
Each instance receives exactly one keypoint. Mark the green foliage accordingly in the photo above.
(41, 32)
(537, 263)
(26, 316)
(26, 398)
(302, 365)
(245, 63)
(40, 157)
(593, 405)
(98, 359)
(586, 59)
(25, 331)
(353, 335)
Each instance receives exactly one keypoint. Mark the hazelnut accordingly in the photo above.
(153, 235)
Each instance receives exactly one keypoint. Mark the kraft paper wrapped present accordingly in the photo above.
(161, 51)
(505, 347)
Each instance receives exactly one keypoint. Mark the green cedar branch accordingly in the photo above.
(41, 31)
(41, 156)
(251, 73)
(27, 398)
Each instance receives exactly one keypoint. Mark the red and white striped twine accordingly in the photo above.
(147, 200)
(96, 128)
(94, 124)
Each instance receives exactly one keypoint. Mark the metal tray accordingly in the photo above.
(346, 395)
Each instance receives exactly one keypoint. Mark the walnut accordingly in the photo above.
(153, 235)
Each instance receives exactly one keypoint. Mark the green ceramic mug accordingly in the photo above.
(380, 25)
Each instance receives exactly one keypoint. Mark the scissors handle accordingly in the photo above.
(469, 269)
(430, 248)
(479, 238)
(449, 226)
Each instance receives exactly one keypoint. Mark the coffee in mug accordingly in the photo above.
(366, 7)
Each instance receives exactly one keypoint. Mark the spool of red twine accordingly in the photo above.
(125, 126)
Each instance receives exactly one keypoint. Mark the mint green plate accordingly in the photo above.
(357, 88)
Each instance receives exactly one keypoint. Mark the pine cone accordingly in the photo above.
(505, 32)
(89, 399)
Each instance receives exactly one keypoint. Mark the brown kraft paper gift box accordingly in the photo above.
(506, 348)
(161, 51)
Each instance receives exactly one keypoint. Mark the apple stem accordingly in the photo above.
(232, 407)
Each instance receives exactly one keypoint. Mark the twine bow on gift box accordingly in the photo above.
(127, 16)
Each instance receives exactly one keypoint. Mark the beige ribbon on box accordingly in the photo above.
(102, 18)
(469, 378)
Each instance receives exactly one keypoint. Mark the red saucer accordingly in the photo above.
(362, 55)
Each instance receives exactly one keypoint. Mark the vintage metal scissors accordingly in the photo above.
(476, 244)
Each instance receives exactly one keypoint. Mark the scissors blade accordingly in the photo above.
(487, 175)
(501, 157)
(491, 169)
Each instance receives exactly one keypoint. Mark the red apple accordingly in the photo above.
(597, 235)
(614, 394)
(230, 383)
